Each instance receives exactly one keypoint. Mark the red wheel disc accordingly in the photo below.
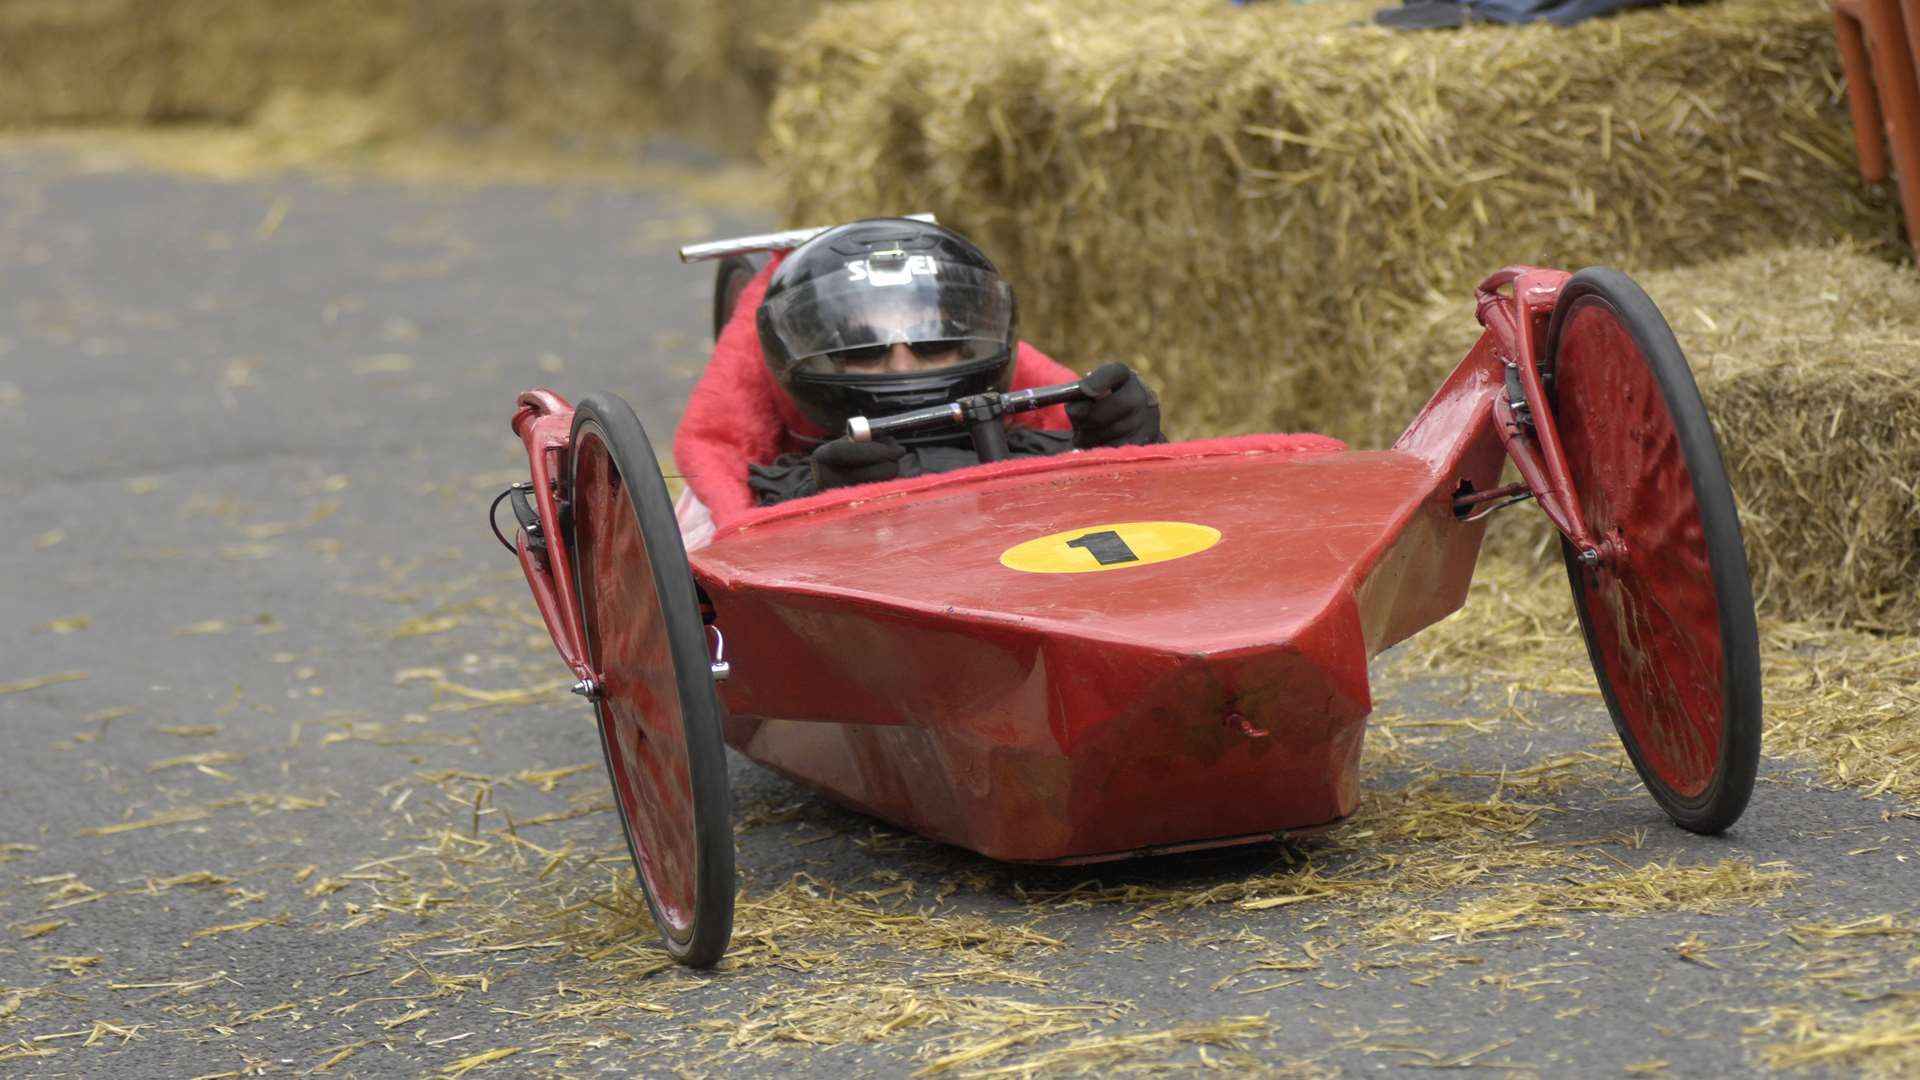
(658, 714)
(1668, 615)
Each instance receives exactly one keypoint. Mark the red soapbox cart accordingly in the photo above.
(1146, 649)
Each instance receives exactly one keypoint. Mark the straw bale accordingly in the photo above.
(143, 60)
(1241, 200)
(718, 66)
(583, 68)
(1809, 361)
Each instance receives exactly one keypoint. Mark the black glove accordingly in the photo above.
(1122, 412)
(843, 461)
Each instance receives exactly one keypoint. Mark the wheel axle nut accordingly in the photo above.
(588, 689)
(1236, 722)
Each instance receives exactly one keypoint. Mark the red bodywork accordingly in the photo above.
(882, 654)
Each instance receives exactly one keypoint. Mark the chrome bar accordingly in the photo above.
(777, 241)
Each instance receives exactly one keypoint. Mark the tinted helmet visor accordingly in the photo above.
(891, 298)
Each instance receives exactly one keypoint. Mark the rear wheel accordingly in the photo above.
(730, 279)
(1668, 619)
(659, 714)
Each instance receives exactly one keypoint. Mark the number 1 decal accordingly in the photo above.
(1106, 547)
(1123, 546)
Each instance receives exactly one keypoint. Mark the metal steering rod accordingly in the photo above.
(980, 414)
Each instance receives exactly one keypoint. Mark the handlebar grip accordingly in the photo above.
(865, 429)
(1041, 397)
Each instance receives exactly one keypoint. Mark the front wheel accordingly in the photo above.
(658, 710)
(1668, 620)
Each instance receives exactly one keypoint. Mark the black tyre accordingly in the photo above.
(1669, 623)
(659, 713)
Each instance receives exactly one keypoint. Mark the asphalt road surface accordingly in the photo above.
(289, 784)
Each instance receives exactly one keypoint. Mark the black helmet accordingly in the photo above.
(856, 290)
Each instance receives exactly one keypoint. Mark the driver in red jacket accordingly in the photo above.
(869, 319)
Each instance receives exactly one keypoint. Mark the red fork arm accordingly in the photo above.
(1518, 323)
(544, 422)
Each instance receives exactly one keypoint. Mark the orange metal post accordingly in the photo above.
(1862, 95)
(1884, 94)
(1912, 10)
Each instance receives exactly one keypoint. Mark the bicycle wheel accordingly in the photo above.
(659, 714)
(1669, 622)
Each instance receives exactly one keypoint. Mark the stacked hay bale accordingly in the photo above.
(1809, 362)
(142, 61)
(1245, 200)
(584, 68)
(718, 64)
(705, 68)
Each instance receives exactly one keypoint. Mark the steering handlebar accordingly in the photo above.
(980, 414)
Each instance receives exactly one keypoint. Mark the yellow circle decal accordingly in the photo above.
(1092, 548)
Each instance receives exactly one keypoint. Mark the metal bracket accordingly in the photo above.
(529, 519)
(1516, 396)
(719, 666)
(1478, 504)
